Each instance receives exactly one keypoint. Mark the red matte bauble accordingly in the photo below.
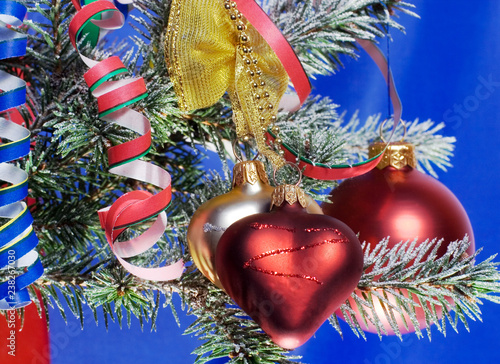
(404, 204)
(289, 270)
(24, 343)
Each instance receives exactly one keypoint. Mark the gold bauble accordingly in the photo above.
(251, 194)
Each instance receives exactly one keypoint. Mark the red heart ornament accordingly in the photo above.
(289, 270)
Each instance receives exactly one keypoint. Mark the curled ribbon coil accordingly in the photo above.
(93, 33)
(17, 238)
(113, 97)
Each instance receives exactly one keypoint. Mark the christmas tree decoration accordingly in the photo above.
(17, 237)
(250, 194)
(91, 32)
(288, 269)
(396, 200)
(113, 97)
(200, 54)
(211, 47)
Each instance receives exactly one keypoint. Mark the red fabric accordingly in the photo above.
(30, 343)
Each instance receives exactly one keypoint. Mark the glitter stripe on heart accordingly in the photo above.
(249, 264)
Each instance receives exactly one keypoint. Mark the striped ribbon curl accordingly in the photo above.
(113, 97)
(17, 238)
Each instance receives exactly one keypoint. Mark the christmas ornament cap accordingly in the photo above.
(290, 194)
(249, 172)
(397, 154)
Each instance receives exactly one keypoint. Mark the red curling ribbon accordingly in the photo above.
(264, 25)
(278, 43)
(136, 206)
(104, 70)
(322, 171)
(378, 57)
(85, 14)
(113, 94)
(76, 4)
(128, 151)
(335, 172)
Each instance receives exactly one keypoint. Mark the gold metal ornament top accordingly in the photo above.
(290, 194)
(249, 172)
(211, 48)
(397, 154)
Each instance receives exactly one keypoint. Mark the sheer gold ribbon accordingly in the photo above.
(211, 48)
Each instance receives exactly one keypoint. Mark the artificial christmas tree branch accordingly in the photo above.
(405, 266)
(454, 282)
(320, 31)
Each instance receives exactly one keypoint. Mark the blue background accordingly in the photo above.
(438, 67)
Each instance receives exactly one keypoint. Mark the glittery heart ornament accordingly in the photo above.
(287, 269)
(251, 194)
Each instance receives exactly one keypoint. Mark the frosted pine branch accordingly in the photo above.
(430, 146)
(317, 133)
(414, 276)
(320, 31)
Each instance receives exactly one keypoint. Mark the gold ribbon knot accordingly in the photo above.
(211, 48)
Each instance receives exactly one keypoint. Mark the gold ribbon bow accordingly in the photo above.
(211, 48)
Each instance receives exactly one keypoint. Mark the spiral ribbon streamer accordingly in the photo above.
(113, 97)
(204, 59)
(94, 33)
(17, 238)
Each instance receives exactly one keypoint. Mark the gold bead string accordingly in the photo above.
(260, 96)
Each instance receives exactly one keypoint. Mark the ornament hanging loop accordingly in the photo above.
(290, 164)
(239, 156)
(381, 131)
